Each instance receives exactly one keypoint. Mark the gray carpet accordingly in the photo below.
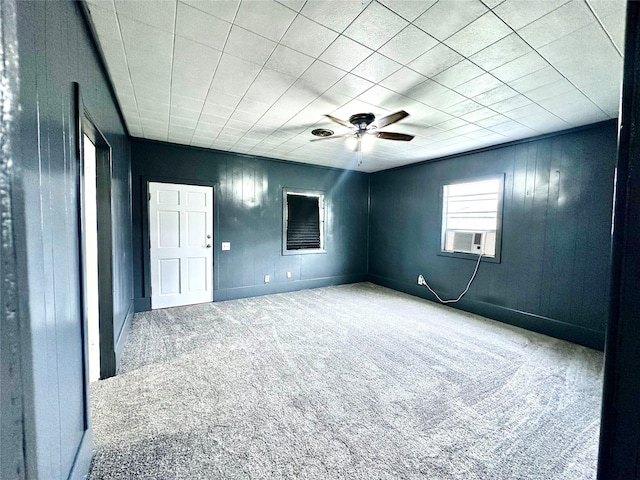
(348, 382)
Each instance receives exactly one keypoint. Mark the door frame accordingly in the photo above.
(146, 237)
(86, 126)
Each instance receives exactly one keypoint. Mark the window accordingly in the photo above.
(471, 217)
(303, 222)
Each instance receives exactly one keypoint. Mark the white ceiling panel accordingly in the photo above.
(345, 53)
(518, 14)
(479, 34)
(200, 27)
(376, 68)
(223, 9)
(308, 37)
(408, 45)
(447, 17)
(375, 26)
(150, 12)
(265, 17)
(256, 76)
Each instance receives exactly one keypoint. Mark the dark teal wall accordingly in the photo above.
(554, 273)
(54, 49)
(248, 213)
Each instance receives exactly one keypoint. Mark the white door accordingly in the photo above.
(181, 237)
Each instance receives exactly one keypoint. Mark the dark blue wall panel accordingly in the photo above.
(55, 50)
(248, 213)
(554, 273)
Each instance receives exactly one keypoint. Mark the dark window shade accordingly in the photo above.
(303, 226)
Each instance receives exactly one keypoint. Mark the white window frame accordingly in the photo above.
(496, 258)
(321, 217)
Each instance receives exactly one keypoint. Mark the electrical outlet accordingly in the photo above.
(266, 279)
(288, 274)
(226, 246)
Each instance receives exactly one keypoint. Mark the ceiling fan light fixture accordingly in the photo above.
(322, 132)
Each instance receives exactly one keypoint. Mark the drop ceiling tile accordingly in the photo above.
(212, 120)
(403, 80)
(320, 76)
(435, 95)
(217, 110)
(151, 94)
(157, 13)
(510, 104)
(448, 16)
(334, 14)
(252, 106)
(106, 23)
(248, 117)
(152, 106)
(525, 111)
(519, 14)
(379, 96)
(495, 95)
(144, 44)
(156, 77)
(238, 41)
(479, 34)
(544, 122)
(186, 113)
(479, 114)
(266, 18)
(551, 90)
(436, 60)
(466, 129)
(239, 124)
(458, 74)
(308, 37)
(501, 52)
(481, 84)
(351, 86)
(234, 75)
(344, 53)
(464, 107)
(224, 99)
(189, 123)
(223, 9)
(293, 4)
(375, 26)
(288, 61)
(269, 86)
(201, 27)
(187, 103)
(532, 81)
(614, 24)
(567, 19)
(408, 45)
(376, 68)
(529, 63)
(193, 67)
(408, 9)
(492, 121)
(127, 101)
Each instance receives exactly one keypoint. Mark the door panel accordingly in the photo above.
(181, 231)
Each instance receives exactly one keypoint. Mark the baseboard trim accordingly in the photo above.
(123, 335)
(82, 462)
(283, 287)
(529, 321)
(141, 304)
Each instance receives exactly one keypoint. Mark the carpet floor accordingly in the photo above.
(347, 382)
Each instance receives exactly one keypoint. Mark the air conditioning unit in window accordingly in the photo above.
(468, 242)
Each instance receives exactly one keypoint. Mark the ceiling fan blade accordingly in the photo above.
(394, 136)
(337, 120)
(392, 118)
(332, 136)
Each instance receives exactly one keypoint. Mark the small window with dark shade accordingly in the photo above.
(303, 223)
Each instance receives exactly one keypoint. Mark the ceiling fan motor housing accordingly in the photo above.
(362, 120)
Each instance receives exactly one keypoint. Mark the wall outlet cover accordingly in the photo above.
(226, 246)
(266, 279)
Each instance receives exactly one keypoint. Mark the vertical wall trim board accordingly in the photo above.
(123, 334)
(619, 454)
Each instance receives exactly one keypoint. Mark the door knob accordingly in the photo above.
(208, 245)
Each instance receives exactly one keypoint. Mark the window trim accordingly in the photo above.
(322, 217)
(472, 256)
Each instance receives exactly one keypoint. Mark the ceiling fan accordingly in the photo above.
(362, 124)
